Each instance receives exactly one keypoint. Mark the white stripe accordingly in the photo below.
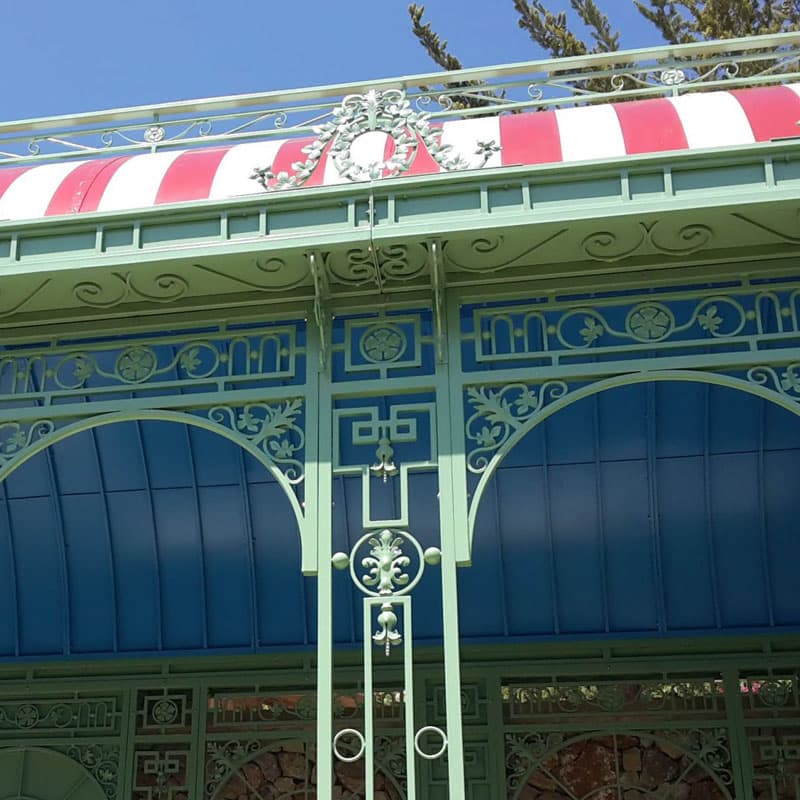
(367, 149)
(795, 87)
(589, 132)
(467, 135)
(232, 177)
(713, 119)
(135, 184)
(31, 193)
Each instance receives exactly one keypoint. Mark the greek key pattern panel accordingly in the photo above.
(383, 346)
(606, 327)
(223, 359)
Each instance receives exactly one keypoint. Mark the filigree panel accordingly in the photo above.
(80, 717)
(676, 698)
(284, 769)
(247, 357)
(671, 765)
(608, 327)
(101, 761)
(771, 696)
(495, 413)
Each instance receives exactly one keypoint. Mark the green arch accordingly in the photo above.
(33, 773)
(615, 382)
(307, 545)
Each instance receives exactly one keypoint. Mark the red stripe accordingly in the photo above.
(772, 111)
(423, 163)
(530, 139)
(71, 193)
(290, 152)
(190, 176)
(650, 126)
(8, 176)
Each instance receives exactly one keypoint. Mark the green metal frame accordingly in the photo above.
(164, 731)
(473, 305)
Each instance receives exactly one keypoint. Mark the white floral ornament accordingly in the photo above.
(384, 111)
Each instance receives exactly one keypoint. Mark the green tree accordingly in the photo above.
(678, 23)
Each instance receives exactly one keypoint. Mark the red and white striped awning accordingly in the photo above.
(588, 133)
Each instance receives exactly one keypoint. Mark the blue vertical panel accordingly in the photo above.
(527, 554)
(737, 529)
(75, 464)
(30, 479)
(229, 582)
(279, 582)
(120, 455)
(180, 559)
(40, 577)
(679, 419)
(781, 428)
(167, 456)
(629, 547)
(8, 585)
(91, 581)
(687, 571)
(480, 587)
(424, 524)
(346, 609)
(622, 430)
(571, 434)
(734, 420)
(217, 459)
(573, 503)
(781, 471)
(135, 555)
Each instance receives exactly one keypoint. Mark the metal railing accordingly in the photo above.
(596, 78)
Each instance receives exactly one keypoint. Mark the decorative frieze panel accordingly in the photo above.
(618, 326)
(94, 716)
(674, 698)
(243, 357)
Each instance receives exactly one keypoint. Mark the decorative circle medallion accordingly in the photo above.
(136, 364)
(650, 322)
(383, 343)
(27, 716)
(164, 712)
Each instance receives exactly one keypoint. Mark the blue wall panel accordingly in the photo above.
(653, 509)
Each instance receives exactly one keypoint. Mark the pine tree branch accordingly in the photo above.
(435, 46)
(606, 39)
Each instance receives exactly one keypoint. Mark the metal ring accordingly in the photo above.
(349, 732)
(438, 753)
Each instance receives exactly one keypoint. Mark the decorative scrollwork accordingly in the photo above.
(785, 381)
(121, 287)
(358, 116)
(377, 264)
(492, 253)
(272, 428)
(500, 412)
(607, 245)
(101, 762)
(16, 437)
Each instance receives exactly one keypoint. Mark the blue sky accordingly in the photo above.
(60, 57)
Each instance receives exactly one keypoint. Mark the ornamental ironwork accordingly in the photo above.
(360, 116)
